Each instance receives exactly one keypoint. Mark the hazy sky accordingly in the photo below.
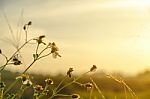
(112, 34)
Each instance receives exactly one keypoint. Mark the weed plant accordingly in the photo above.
(47, 91)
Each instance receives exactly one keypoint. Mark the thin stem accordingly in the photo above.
(1, 93)
(25, 72)
(3, 67)
(26, 36)
(91, 92)
(5, 57)
(11, 86)
(71, 82)
(63, 95)
(125, 91)
(44, 56)
(37, 49)
(60, 83)
(98, 89)
(122, 82)
(131, 91)
(57, 91)
(28, 67)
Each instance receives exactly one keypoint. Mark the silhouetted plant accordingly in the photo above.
(42, 91)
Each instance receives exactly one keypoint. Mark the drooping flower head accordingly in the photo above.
(93, 68)
(54, 50)
(39, 40)
(69, 72)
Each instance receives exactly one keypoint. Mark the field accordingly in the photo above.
(111, 89)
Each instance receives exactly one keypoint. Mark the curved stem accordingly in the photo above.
(5, 57)
(69, 83)
(11, 86)
(26, 70)
(8, 60)
(60, 83)
(99, 91)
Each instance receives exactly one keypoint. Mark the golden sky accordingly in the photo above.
(112, 34)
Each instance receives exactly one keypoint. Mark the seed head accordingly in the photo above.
(49, 81)
(23, 77)
(93, 69)
(38, 88)
(88, 85)
(29, 23)
(54, 50)
(24, 27)
(69, 72)
(27, 82)
(16, 61)
(39, 40)
(75, 96)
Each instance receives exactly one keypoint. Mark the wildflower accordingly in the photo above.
(39, 40)
(88, 85)
(16, 61)
(54, 50)
(2, 85)
(49, 81)
(23, 77)
(27, 82)
(38, 88)
(46, 92)
(75, 96)
(93, 69)
(69, 72)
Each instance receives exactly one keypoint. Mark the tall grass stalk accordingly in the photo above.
(98, 89)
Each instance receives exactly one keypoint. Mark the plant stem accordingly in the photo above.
(99, 91)
(1, 93)
(37, 49)
(8, 60)
(57, 91)
(60, 83)
(11, 86)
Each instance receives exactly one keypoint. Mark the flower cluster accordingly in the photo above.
(16, 60)
(38, 90)
(54, 50)
(25, 78)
